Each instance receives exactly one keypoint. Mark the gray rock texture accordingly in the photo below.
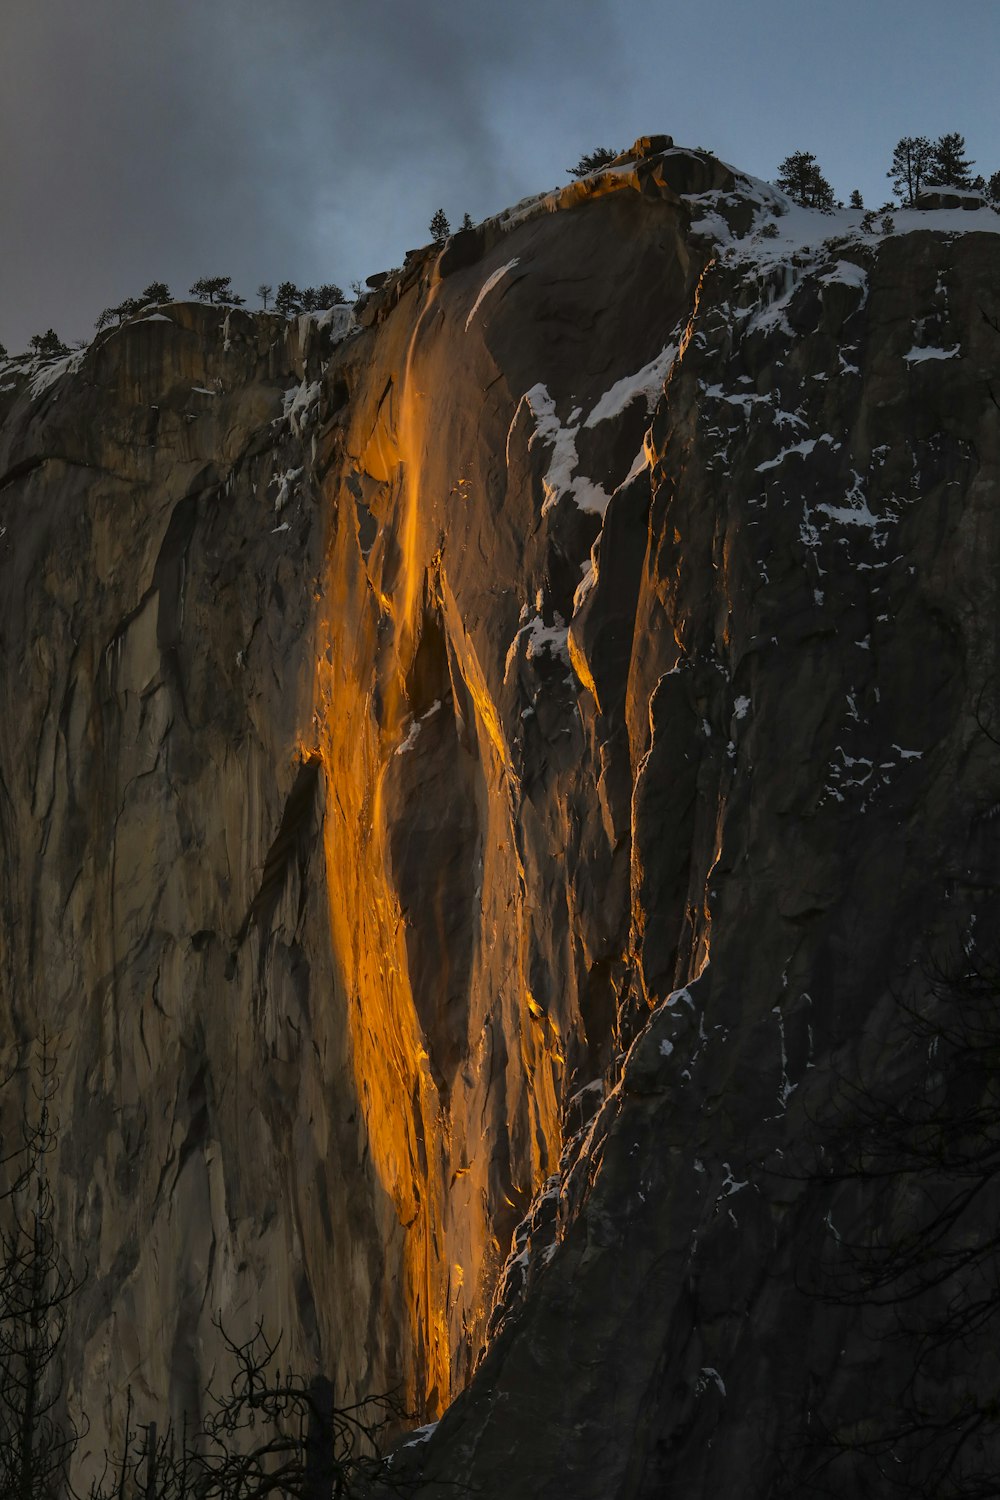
(472, 772)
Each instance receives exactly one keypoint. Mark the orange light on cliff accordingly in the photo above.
(359, 732)
(689, 327)
(438, 1060)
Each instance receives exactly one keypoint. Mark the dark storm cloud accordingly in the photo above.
(297, 138)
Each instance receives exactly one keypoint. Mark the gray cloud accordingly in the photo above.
(303, 139)
(313, 139)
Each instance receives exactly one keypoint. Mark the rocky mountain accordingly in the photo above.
(478, 771)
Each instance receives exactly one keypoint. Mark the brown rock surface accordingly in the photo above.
(566, 687)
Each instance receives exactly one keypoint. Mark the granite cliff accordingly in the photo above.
(474, 769)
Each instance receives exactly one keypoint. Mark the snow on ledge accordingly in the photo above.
(50, 373)
(542, 639)
(799, 450)
(561, 478)
(487, 287)
(919, 356)
(299, 405)
(647, 382)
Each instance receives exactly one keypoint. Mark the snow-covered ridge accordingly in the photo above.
(339, 321)
(620, 176)
(42, 374)
(781, 226)
(796, 226)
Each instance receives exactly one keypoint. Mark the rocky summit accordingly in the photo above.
(485, 778)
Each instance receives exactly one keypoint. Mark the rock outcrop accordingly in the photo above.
(476, 769)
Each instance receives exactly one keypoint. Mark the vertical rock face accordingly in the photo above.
(482, 773)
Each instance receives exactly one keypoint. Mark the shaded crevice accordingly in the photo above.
(22, 470)
(290, 844)
(169, 576)
(431, 800)
(26, 466)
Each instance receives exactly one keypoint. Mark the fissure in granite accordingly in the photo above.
(478, 768)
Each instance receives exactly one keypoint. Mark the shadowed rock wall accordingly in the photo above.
(483, 771)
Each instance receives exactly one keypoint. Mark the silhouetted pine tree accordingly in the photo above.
(911, 161)
(217, 289)
(439, 226)
(48, 345)
(800, 177)
(948, 165)
(317, 298)
(287, 299)
(593, 161)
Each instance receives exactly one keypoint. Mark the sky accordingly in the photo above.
(312, 140)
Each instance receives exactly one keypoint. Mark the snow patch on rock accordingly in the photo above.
(646, 383)
(542, 640)
(48, 374)
(918, 356)
(561, 479)
(287, 483)
(487, 287)
(299, 405)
